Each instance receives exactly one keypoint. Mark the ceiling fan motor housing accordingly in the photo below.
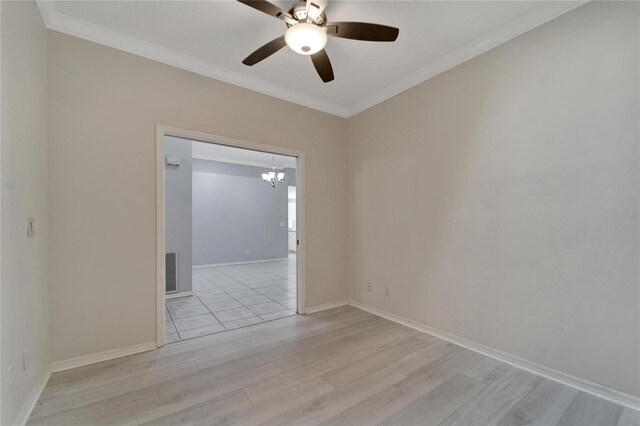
(299, 12)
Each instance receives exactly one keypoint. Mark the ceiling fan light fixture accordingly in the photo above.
(305, 38)
(307, 31)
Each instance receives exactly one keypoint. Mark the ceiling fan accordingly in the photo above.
(307, 31)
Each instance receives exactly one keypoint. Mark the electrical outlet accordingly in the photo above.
(369, 286)
(25, 359)
(386, 291)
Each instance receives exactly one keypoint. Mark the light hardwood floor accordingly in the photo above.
(343, 366)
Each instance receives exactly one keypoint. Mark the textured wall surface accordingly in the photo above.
(500, 223)
(25, 288)
(104, 105)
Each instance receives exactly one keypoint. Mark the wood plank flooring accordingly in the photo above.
(343, 366)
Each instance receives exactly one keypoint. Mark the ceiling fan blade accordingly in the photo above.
(362, 31)
(315, 9)
(268, 8)
(265, 51)
(323, 65)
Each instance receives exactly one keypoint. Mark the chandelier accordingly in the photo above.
(273, 178)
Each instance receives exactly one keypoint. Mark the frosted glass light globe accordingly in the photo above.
(305, 38)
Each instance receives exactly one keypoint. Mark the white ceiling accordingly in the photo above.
(228, 154)
(212, 38)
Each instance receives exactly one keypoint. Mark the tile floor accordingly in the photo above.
(228, 297)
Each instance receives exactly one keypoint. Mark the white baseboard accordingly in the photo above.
(170, 296)
(549, 373)
(81, 361)
(325, 306)
(603, 392)
(33, 397)
(211, 265)
(54, 367)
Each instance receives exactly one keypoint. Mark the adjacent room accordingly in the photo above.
(319, 212)
(230, 238)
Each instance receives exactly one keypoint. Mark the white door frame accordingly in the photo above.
(161, 132)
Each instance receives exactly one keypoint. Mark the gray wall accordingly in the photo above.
(511, 219)
(236, 216)
(290, 177)
(178, 208)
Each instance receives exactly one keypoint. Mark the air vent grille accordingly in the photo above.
(171, 271)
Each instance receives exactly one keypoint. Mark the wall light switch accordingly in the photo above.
(31, 227)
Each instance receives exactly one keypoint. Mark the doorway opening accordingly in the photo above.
(228, 235)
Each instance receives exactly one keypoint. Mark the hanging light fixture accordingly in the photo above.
(273, 178)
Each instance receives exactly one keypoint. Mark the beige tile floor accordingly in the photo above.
(230, 297)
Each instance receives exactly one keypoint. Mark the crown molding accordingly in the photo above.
(525, 22)
(503, 33)
(78, 28)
